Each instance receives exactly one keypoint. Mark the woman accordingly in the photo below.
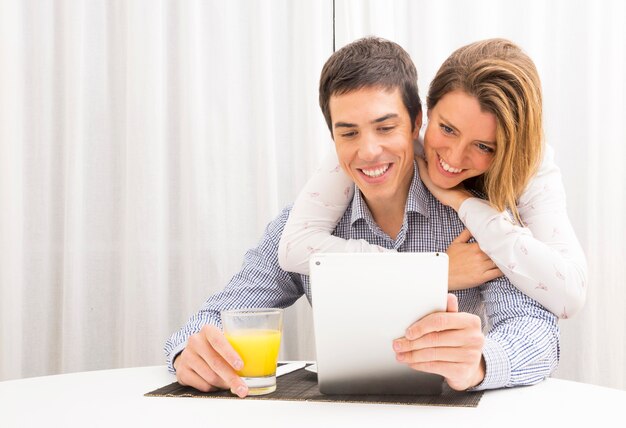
(521, 226)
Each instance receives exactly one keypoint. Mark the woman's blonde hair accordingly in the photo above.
(505, 82)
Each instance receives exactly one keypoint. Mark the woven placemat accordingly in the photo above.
(301, 385)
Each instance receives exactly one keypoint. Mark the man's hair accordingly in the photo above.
(370, 62)
(505, 82)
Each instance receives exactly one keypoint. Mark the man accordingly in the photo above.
(369, 97)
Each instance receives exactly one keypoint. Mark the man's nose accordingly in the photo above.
(370, 148)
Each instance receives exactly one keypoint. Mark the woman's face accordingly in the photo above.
(460, 140)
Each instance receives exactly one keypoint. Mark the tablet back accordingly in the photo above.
(361, 303)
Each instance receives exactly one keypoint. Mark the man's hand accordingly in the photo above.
(468, 266)
(209, 363)
(446, 343)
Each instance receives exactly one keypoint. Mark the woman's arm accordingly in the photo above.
(544, 259)
(314, 216)
(319, 207)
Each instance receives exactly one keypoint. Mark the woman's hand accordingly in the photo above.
(468, 266)
(451, 197)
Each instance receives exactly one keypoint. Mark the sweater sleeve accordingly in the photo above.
(316, 211)
(543, 259)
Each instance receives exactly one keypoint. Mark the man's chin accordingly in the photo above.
(370, 195)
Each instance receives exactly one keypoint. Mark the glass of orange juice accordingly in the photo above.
(255, 334)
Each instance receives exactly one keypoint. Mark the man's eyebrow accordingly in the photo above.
(345, 125)
(378, 120)
(385, 117)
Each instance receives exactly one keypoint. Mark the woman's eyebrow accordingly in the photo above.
(448, 123)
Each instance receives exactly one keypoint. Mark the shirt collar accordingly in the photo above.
(418, 200)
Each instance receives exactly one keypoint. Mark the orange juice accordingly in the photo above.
(258, 349)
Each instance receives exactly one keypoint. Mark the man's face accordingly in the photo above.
(460, 140)
(374, 142)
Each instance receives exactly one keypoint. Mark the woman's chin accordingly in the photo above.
(445, 183)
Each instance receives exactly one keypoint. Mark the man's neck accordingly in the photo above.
(388, 212)
(389, 215)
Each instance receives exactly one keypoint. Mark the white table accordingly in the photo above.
(113, 398)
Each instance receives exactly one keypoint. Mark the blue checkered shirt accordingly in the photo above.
(522, 337)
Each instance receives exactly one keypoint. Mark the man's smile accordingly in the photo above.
(375, 174)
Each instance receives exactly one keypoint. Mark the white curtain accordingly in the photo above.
(144, 145)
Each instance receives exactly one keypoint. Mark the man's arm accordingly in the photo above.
(209, 360)
(522, 345)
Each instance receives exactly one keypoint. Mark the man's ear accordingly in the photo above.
(418, 125)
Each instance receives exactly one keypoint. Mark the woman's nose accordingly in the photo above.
(456, 155)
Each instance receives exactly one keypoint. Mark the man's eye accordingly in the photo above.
(386, 128)
(485, 148)
(349, 134)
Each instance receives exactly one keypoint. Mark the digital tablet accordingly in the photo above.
(361, 303)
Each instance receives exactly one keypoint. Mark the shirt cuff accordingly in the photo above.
(497, 366)
(172, 356)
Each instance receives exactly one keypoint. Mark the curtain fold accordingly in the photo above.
(145, 145)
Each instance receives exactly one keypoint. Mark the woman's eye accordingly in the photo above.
(446, 129)
(485, 148)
